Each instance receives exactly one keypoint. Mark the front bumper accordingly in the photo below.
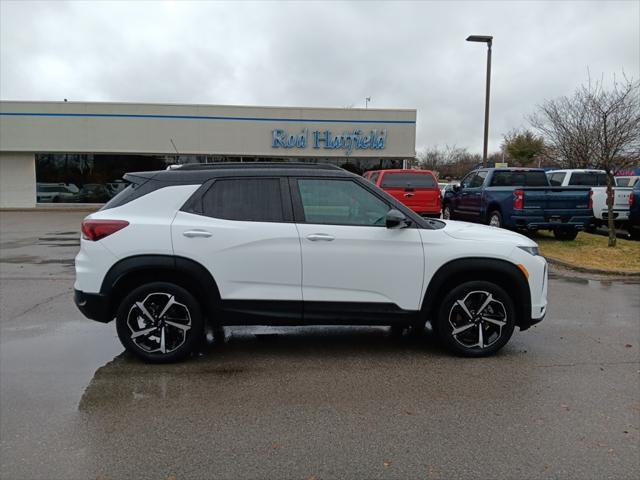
(94, 306)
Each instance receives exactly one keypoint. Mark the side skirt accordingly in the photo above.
(282, 312)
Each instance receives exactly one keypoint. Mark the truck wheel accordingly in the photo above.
(634, 233)
(160, 322)
(446, 213)
(495, 219)
(476, 319)
(565, 235)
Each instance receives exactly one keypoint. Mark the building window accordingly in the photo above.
(96, 178)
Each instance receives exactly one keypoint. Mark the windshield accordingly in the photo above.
(408, 180)
(519, 178)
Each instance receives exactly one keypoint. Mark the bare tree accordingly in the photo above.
(596, 127)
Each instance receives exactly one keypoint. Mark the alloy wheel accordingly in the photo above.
(159, 324)
(477, 320)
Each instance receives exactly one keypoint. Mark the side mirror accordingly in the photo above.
(456, 188)
(396, 219)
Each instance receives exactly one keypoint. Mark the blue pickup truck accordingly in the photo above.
(519, 199)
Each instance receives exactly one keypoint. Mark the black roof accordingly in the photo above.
(194, 173)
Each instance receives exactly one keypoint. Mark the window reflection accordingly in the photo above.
(96, 178)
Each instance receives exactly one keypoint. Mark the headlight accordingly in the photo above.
(530, 250)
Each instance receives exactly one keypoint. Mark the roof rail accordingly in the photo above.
(222, 165)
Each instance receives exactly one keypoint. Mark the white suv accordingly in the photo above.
(295, 244)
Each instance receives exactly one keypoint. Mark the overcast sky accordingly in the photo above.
(329, 54)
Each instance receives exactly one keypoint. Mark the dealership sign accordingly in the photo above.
(347, 140)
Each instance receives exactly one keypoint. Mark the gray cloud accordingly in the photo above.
(404, 55)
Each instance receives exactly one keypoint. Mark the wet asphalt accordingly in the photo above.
(561, 400)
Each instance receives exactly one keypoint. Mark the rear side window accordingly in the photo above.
(588, 179)
(519, 178)
(245, 199)
(408, 180)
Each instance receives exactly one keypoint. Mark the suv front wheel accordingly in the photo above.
(160, 322)
(476, 319)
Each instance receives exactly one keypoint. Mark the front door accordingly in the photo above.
(350, 259)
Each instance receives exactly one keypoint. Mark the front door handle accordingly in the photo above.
(314, 237)
(197, 233)
(408, 195)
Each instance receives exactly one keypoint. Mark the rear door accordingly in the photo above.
(417, 190)
(242, 231)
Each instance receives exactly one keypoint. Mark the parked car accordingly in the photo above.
(633, 225)
(94, 193)
(519, 198)
(447, 187)
(417, 189)
(626, 181)
(295, 244)
(597, 180)
(55, 193)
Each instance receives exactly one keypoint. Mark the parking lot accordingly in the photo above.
(559, 401)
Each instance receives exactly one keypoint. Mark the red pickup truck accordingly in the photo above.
(417, 189)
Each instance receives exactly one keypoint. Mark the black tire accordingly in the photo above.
(634, 233)
(182, 333)
(564, 234)
(495, 219)
(447, 213)
(496, 331)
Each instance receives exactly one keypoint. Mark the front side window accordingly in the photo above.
(340, 202)
(374, 177)
(244, 199)
(466, 181)
(555, 180)
(478, 180)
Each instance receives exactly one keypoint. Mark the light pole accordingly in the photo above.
(488, 39)
(366, 102)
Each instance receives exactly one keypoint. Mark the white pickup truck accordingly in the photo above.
(597, 180)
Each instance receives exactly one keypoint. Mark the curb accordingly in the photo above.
(52, 209)
(597, 271)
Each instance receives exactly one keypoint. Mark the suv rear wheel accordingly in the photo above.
(476, 319)
(160, 322)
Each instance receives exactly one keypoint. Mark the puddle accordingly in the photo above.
(33, 260)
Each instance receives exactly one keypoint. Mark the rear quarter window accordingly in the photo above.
(408, 180)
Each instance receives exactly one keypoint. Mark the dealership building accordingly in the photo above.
(77, 152)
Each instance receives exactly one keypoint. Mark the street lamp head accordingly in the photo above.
(480, 38)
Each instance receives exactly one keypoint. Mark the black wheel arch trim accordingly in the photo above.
(184, 269)
(481, 268)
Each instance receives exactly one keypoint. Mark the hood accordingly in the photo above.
(484, 233)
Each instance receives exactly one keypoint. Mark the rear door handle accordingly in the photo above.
(314, 237)
(408, 195)
(197, 233)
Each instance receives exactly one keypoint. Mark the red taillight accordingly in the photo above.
(95, 230)
(590, 199)
(518, 199)
(631, 200)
